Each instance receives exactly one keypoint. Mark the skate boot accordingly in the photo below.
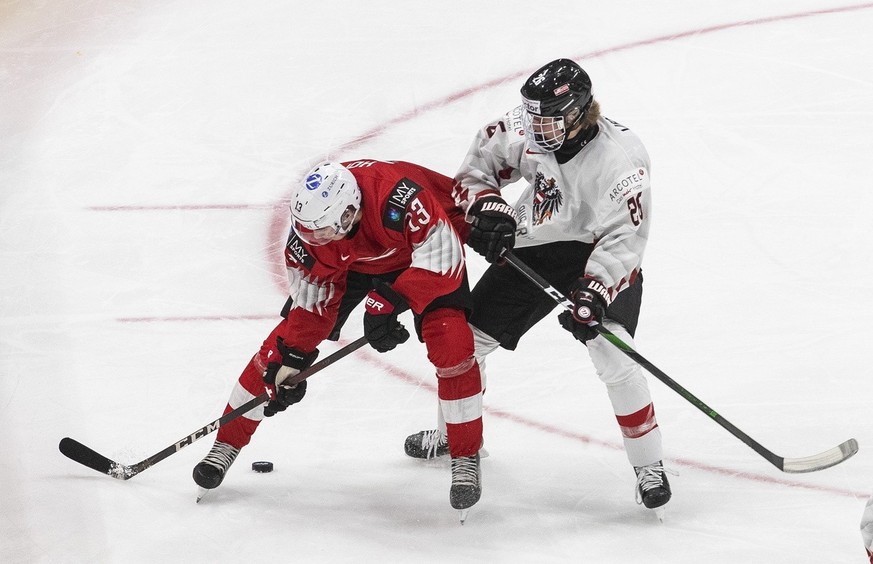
(427, 444)
(653, 489)
(209, 473)
(466, 483)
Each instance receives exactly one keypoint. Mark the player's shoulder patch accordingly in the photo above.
(627, 184)
(515, 121)
(395, 207)
(296, 253)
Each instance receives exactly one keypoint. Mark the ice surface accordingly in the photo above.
(146, 150)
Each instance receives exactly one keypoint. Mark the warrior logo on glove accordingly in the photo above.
(498, 206)
(493, 227)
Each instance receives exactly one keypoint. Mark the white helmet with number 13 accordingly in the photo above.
(324, 205)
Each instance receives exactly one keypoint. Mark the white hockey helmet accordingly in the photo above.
(325, 203)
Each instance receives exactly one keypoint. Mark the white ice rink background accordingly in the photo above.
(146, 153)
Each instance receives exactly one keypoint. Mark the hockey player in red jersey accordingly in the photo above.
(388, 234)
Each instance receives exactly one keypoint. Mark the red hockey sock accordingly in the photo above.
(449, 342)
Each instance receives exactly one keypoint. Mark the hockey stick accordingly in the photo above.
(82, 454)
(826, 459)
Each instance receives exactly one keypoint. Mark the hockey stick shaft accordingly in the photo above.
(82, 454)
(794, 465)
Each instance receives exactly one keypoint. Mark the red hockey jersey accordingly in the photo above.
(409, 221)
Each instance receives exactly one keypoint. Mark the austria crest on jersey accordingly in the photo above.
(324, 205)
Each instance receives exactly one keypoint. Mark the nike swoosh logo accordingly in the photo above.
(344, 257)
(529, 152)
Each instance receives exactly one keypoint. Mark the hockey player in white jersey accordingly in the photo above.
(582, 223)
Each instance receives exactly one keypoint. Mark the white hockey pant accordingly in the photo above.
(629, 393)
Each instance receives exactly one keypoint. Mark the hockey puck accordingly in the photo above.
(262, 466)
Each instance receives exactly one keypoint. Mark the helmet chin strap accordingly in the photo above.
(356, 223)
(583, 111)
(574, 133)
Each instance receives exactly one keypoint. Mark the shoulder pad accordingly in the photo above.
(395, 207)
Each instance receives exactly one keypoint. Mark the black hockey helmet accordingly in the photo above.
(549, 97)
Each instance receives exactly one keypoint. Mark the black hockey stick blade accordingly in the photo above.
(76, 451)
(826, 459)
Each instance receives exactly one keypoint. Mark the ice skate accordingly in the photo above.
(466, 484)
(432, 444)
(653, 488)
(427, 444)
(210, 471)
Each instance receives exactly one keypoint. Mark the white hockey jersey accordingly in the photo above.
(601, 196)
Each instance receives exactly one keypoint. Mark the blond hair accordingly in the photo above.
(592, 115)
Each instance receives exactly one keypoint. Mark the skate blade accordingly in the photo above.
(659, 513)
(463, 514)
(200, 493)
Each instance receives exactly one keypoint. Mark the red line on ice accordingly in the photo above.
(184, 207)
(186, 318)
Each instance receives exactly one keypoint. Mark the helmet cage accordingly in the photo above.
(547, 132)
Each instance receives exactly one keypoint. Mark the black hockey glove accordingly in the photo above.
(381, 327)
(293, 362)
(493, 227)
(590, 299)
